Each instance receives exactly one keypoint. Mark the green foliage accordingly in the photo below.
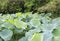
(53, 6)
(13, 6)
(20, 24)
(46, 6)
(37, 37)
(29, 27)
(6, 34)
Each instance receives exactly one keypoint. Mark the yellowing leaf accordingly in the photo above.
(37, 37)
(20, 24)
(18, 14)
(10, 21)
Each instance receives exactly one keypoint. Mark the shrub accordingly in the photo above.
(13, 6)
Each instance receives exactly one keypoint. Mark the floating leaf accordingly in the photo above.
(56, 38)
(6, 34)
(37, 37)
(35, 22)
(20, 24)
(56, 32)
(10, 21)
(18, 14)
(23, 39)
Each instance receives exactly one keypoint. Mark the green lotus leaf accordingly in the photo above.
(6, 34)
(20, 24)
(37, 37)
